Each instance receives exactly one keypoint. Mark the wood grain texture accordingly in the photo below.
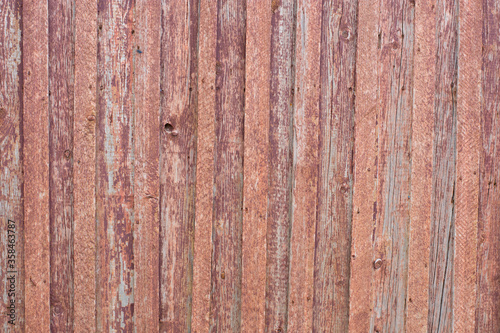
(177, 162)
(258, 43)
(11, 168)
(281, 157)
(225, 298)
(390, 209)
(36, 166)
(421, 166)
(443, 169)
(146, 176)
(336, 143)
(61, 103)
(115, 167)
(488, 266)
(84, 166)
(467, 172)
(204, 167)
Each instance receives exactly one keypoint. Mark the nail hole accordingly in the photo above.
(169, 128)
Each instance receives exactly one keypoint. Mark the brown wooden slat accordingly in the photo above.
(258, 43)
(421, 173)
(387, 232)
(333, 230)
(146, 177)
(468, 154)
(177, 161)
(225, 298)
(84, 172)
(443, 172)
(204, 167)
(488, 289)
(305, 124)
(61, 102)
(36, 166)
(11, 167)
(114, 183)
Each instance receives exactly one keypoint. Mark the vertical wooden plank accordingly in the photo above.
(421, 165)
(443, 169)
(488, 289)
(177, 161)
(305, 165)
(387, 232)
(36, 166)
(333, 230)
(468, 152)
(11, 168)
(115, 158)
(84, 166)
(258, 43)
(204, 166)
(147, 33)
(225, 298)
(281, 156)
(61, 102)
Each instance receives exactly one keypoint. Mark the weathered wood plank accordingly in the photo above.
(36, 166)
(281, 156)
(147, 34)
(258, 43)
(468, 154)
(204, 167)
(228, 167)
(333, 230)
(488, 289)
(443, 169)
(177, 161)
(11, 167)
(61, 102)
(388, 237)
(421, 173)
(84, 164)
(115, 158)
(305, 165)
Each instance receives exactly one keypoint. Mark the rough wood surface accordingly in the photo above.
(146, 176)
(421, 164)
(115, 159)
(443, 169)
(11, 167)
(36, 166)
(336, 143)
(258, 43)
(204, 167)
(488, 266)
(225, 310)
(61, 102)
(178, 89)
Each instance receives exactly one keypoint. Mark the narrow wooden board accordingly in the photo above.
(468, 153)
(84, 166)
(36, 166)
(204, 167)
(61, 102)
(421, 166)
(336, 144)
(147, 34)
(258, 43)
(225, 298)
(177, 161)
(305, 165)
(488, 289)
(115, 160)
(11, 167)
(443, 169)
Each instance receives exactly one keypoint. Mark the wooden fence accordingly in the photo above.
(253, 166)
